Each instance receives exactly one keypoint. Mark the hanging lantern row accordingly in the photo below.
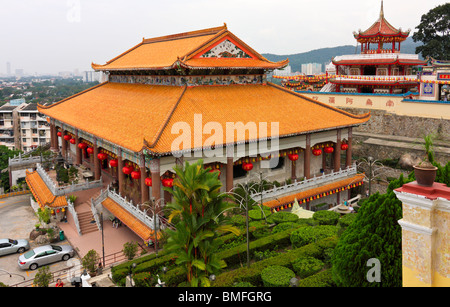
(317, 151)
(127, 170)
(67, 137)
(58, 210)
(246, 166)
(317, 196)
(328, 149)
(167, 182)
(293, 157)
(114, 163)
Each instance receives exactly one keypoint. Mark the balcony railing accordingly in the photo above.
(306, 184)
(60, 191)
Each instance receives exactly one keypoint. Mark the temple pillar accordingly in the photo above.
(307, 158)
(348, 157)
(97, 166)
(337, 152)
(156, 178)
(77, 149)
(144, 187)
(63, 144)
(230, 164)
(120, 174)
(53, 140)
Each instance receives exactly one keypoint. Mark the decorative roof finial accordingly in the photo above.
(382, 11)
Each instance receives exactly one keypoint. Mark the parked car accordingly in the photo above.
(45, 255)
(10, 246)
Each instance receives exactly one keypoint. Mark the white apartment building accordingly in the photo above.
(22, 126)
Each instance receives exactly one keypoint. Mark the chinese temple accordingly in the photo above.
(380, 67)
(132, 129)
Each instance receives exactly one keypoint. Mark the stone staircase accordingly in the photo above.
(85, 216)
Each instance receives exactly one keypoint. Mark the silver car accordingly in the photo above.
(45, 255)
(9, 246)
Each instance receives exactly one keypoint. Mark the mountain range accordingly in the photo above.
(324, 55)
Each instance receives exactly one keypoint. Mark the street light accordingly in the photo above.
(155, 208)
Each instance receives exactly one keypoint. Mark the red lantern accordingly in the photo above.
(344, 146)
(167, 182)
(59, 133)
(293, 157)
(72, 141)
(82, 145)
(102, 156)
(135, 174)
(328, 149)
(90, 150)
(113, 163)
(317, 152)
(148, 182)
(127, 170)
(247, 166)
(67, 137)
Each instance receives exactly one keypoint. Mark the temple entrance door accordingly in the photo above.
(366, 90)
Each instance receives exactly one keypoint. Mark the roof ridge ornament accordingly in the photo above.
(382, 10)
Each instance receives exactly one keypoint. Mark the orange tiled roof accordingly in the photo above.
(42, 193)
(127, 114)
(168, 52)
(314, 192)
(139, 228)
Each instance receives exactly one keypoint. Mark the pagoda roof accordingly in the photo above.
(140, 116)
(194, 50)
(381, 28)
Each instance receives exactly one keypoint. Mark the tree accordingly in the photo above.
(198, 203)
(42, 277)
(434, 32)
(5, 154)
(374, 234)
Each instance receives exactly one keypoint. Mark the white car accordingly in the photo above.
(45, 255)
(10, 246)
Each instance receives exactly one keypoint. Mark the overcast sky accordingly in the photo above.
(48, 36)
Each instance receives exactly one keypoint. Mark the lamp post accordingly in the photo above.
(155, 207)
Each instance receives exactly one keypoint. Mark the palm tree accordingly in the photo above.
(200, 206)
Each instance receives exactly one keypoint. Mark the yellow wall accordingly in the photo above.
(393, 104)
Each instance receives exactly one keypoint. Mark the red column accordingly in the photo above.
(156, 178)
(63, 144)
(337, 152)
(144, 187)
(77, 149)
(230, 164)
(97, 166)
(120, 174)
(348, 161)
(307, 158)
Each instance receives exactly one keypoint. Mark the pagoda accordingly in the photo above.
(380, 67)
(144, 120)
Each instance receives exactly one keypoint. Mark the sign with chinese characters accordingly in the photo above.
(443, 76)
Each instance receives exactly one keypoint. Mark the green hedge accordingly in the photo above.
(307, 235)
(276, 276)
(253, 274)
(321, 279)
(284, 226)
(282, 217)
(307, 266)
(257, 214)
(326, 217)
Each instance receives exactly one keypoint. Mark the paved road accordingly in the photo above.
(17, 220)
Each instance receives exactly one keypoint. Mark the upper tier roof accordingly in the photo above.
(208, 48)
(138, 116)
(381, 28)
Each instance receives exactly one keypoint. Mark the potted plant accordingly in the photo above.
(90, 261)
(425, 171)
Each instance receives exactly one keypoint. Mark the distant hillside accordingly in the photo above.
(324, 55)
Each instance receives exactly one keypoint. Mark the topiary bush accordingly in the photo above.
(326, 217)
(238, 220)
(306, 235)
(307, 266)
(276, 276)
(282, 217)
(283, 226)
(257, 214)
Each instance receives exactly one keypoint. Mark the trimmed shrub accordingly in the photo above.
(276, 276)
(326, 217)
(257, 214)
(281, 217)
(307, 266)
(284, 226)
(144, 279)
(243, 284)
(307, 222)
(307, 235)
(238, 220)
(321, 279)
